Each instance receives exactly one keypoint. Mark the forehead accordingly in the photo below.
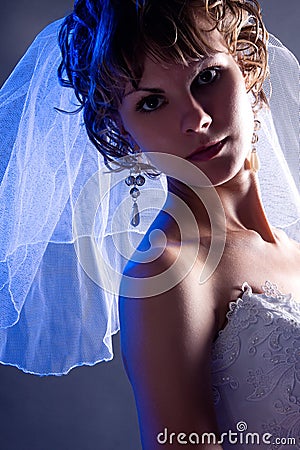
(216, 43)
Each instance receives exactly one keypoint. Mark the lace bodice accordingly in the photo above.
(256, 369)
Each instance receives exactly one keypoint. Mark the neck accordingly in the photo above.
(241, 202)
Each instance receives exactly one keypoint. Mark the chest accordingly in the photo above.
(244, 258)
(249, 259)
(257, 264)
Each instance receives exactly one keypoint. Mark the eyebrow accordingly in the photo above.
(152, 90)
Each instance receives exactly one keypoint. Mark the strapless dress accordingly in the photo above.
(256, 371)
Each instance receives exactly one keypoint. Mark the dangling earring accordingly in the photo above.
(135, 179)
(254, 160)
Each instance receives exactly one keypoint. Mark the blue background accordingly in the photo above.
(92, 408)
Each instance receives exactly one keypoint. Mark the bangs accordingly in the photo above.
(164, 33)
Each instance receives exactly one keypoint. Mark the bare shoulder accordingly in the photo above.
(284, 238)
(164, 287)
(166, 340)
(289, 248)
(168, 280)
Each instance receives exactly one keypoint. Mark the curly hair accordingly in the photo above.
(104, 43)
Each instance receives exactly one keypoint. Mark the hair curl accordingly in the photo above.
(104, 43)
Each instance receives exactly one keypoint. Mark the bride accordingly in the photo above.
(182, 84)
(208, 302)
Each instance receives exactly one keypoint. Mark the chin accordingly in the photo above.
(214, 171)
(237, 176)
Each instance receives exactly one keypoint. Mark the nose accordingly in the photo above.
(194, 118)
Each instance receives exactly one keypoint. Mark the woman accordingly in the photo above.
(218, 163)
(182, 83)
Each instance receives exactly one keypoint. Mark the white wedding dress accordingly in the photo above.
(256, 371)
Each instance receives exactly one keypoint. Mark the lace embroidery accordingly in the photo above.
(258, 352)
(272, 291)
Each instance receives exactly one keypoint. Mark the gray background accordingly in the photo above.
(92, 408)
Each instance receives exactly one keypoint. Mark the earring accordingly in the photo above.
(254, 160)
(135, 179)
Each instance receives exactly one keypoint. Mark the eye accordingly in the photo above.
(150, 103)
(207, 76)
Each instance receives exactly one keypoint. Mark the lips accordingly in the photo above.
(207, 152)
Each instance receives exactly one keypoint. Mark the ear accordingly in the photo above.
(240, 62)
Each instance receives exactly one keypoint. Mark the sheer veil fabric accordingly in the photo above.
(55, 312)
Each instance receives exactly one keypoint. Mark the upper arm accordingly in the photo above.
(166, 342)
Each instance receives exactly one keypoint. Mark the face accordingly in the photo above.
(201, 113)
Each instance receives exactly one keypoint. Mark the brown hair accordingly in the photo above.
(104, 43)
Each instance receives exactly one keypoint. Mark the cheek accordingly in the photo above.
(247, 116)
(148, 133)
(142, 137)
(124, 122)
(242, 111)
(131, 126)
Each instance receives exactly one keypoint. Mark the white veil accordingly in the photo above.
(53, 314)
